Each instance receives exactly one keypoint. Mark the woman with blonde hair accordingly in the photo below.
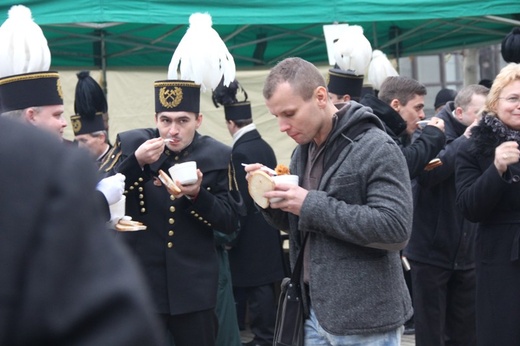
(488, 192)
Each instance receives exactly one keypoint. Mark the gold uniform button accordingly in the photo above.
(170, 244)
(171, 233)
(192, 212)
(172, 197)
(176, 158)
(141, 196)
(131, 187)
(208, 188)
(140, 189)
(171, 221)
(143, 210)
(136, 183)
(200, 218)
(172, 209)
(140, 179)
(141, 203)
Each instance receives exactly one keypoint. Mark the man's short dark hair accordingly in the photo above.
(401, 88)
(242, 122)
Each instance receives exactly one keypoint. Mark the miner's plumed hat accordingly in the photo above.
(25, 79)
(202, 60)
(177, 96)
(90, 104)
(341, 82)
(30, 90)
(227, 96)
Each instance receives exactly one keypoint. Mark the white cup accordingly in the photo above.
(283, 179)
(185, 173)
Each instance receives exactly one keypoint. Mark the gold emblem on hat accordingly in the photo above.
(59, 89)
(76, 124)
(170, 98)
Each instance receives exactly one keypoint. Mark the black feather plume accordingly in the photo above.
(89, 98)
(227, 95)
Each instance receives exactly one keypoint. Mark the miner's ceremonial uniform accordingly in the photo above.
(177, 251)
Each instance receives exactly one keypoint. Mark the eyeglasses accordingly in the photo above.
(514, 100)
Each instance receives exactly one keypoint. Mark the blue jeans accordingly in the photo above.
(316, 335)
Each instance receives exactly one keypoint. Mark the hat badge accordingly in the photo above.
(76, 124)
(170, 98)
(58, 88)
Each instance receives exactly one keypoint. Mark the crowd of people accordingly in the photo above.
(209, 262)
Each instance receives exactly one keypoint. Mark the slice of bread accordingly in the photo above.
(169, 183)
(433, 164)
(129, 226)
(260, 183)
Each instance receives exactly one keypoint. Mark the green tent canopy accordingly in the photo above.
(117, 33)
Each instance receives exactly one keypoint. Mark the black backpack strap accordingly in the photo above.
(347, 137)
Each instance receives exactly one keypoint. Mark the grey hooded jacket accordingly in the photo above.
(358, 219)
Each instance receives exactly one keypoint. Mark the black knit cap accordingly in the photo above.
(30, 90)
(177, 96)
(90, 104)
(511, 46)
(226, 96)
(341, 82)
(444, 96)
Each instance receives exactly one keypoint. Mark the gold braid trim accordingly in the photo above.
(108, 161)
(176, 84)
(232, 180)
(28, 77)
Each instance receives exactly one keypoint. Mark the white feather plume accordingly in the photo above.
(203, 56)
(380, 68)
(23, 47)
(353, 51)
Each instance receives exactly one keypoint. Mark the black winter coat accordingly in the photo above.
(441, 236)
(64, 280)
(494, 202)
(256, 256)
(417, 153)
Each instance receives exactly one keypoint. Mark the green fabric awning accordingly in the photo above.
(261, 32)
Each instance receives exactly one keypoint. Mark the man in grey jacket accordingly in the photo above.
(354, 200)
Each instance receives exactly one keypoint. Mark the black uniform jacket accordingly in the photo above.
(64, 280)
(256, 256)
(177, 250)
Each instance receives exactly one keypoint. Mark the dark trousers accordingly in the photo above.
(260, 302)
(444, 305)
(195, 328)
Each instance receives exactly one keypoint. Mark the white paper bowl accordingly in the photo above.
(283, 179)
(185, 173)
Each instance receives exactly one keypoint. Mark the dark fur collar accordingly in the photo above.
(489, 134)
